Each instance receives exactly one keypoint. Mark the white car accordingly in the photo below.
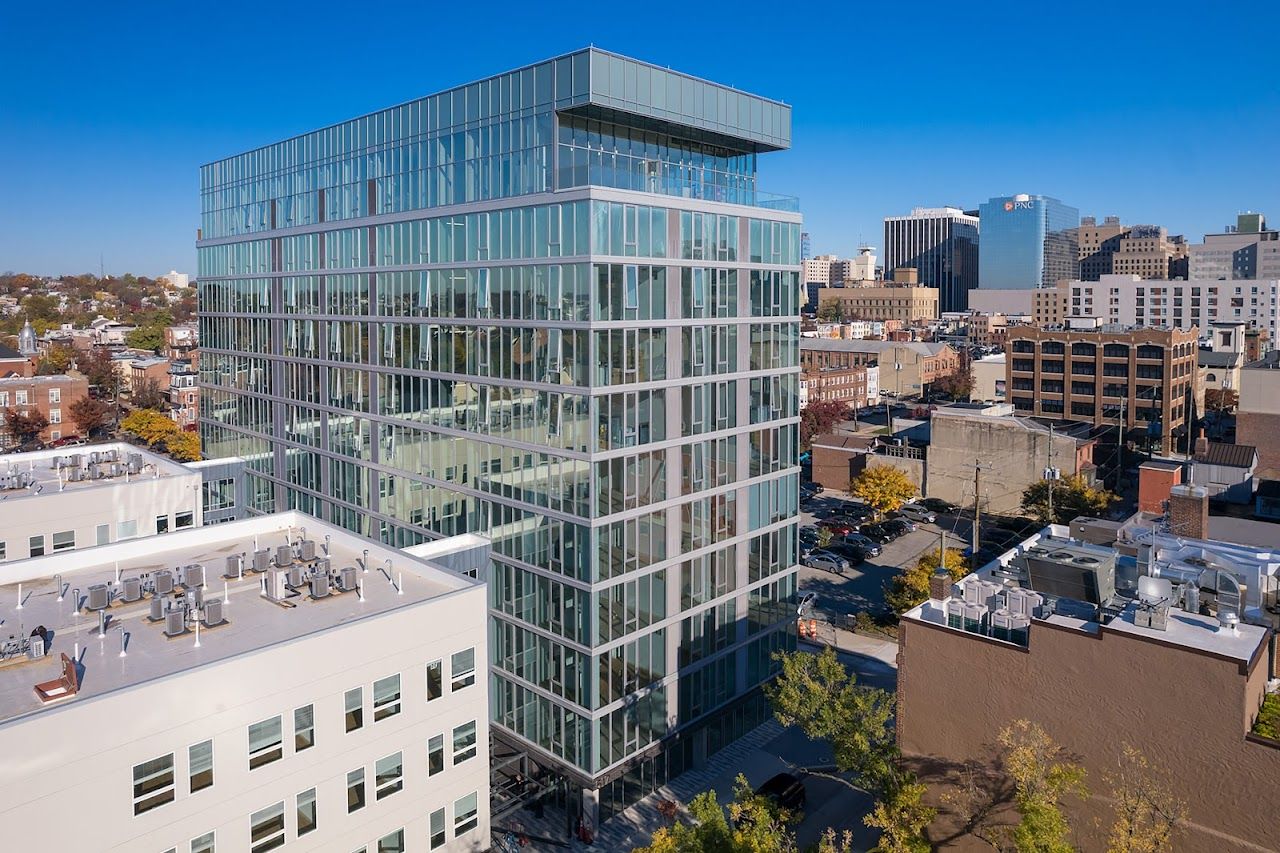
(915, 512)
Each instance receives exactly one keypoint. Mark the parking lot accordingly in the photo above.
(862, 587)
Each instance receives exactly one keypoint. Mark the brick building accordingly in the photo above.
(51, 396)
(906, 367)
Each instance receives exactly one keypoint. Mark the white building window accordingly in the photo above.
(64, 540)
(464, 814)
(153, 784)
(184, 519)
(435, 680)
(355, 790)
(306, 811)
(437, 829)
(393, 843)
(388, 775)
(21, 397)
(202, 844)
(200, 766)
(463, 669)
(464, 742)
(126, 529)
(55, 395)
(304, 728)
(55, 416)
(266, 742)
(386, 697)
(266, 829)
(435, 755)
(354, 704)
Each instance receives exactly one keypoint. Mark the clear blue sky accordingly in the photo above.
(107, 110)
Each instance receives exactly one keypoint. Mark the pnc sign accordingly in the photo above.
(1018, 205)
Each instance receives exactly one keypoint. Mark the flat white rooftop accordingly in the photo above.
(42, 473)
(388, 579)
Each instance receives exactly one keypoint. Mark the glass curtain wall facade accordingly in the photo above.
(552, 308)
(942, 245)
(1028, 241)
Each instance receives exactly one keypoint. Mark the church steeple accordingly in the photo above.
(27, 339)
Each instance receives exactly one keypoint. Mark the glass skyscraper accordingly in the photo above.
(552, 308)
(1028, 241)
(941, 244)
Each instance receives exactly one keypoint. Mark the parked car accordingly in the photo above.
(786, 790)
(869, 547)
(807, 604)
(837, 528)
(816, 488)
(916, 512)
(898, 526)
(939, 506)
(826, 561)
(68, 441)
(808, 542)
(853, 510)
(877, 533)
(854, 554)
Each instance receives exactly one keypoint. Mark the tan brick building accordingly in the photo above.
(908, 304)
(1091, 373)
(906, 367)
(1049, 305)
(52, 396)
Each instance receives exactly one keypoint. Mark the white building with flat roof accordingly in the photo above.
(1133, 301)
(244, 686)
(76, 497)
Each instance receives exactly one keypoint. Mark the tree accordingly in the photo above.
(57, 360)
(830, 311)
(883, 487)
(819, 418)
(150, 426)
(1148, 813)
(902, 818)
(147, 394)
(1221, 399)
(183, 446)
(1042, 779)
(819, 695)
(754, 825)
(911, 585)
(958, 385)
(90, 415)
(100, 369)
(1072, 497)
(146, 337)
(24, 426)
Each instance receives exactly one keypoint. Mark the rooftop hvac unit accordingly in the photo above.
(95, 457)
(96, 472)
(99, 596)
(295, 576)
(175, 622)
(1023, 602)
(116, 470)
(1019, 628)
(261, 560)
(1191, 598)
(157, 609)
(77, 460)
(232, 568)
(36, 648)
(307, 550)
(1079, 572)
(955, 613)
(1000, 621)
(76, 475)
(322, 565)
(196, 597)
(163, 582)
(276, 586)
(284, 556)
(975, 617)
(193, 575)
(112, 455)
(135, 460)
(213, 612)
(319, 585)
(132, 589)
(348, 581)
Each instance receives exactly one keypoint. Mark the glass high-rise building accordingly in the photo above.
(941, 244)
(550, 307)
(1028, 241)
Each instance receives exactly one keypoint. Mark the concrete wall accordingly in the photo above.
(1258, 416)
(68, 768)
(1188, 712)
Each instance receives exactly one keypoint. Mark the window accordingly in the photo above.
(355, 790)
(464, 814)
(435, 681)
(437, 828)
(64, 541)
(266, 828)
(355, 708)
(304, 728)
(388, 775)
(265, 742)
(55, 416)
(152, 784)
(162, 524)
(22, 397)
(203, 844)
(184, 519)
(393, 843)
(102, 535)
(463, 669)
(36, 545)
(464, 742)
(306, 811)
(435, 755)
(126, 529)
(200, 766)
(55, 395)
(386, 697)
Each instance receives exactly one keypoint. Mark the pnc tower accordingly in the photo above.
(551, 307)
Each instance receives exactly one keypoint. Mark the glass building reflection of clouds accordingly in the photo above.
(1028, 241)
(551, 307)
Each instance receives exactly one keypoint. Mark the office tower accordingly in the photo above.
(1028, 241)
(553, 308)
(248, 686)
(1097, 245)
(941, 243)
(1246, 250)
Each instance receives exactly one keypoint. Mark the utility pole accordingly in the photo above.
(977, 509)
(1050, 475)
(1120, 426)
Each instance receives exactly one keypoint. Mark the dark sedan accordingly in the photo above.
(876, 533)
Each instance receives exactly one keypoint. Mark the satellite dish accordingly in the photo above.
(1154, 590)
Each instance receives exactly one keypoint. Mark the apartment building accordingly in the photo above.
(253, 685)
(1148, 251)
(1129, 300)
(1101, 374)
(1050, 306)
(554, 307)
(51, 396)
(857, 386)
(906, 367)
(1147, 635)
(184, 396)
(1247, 251)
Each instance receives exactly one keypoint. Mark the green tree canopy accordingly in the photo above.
(1072, 497)
(754, 825)
(911, 585)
